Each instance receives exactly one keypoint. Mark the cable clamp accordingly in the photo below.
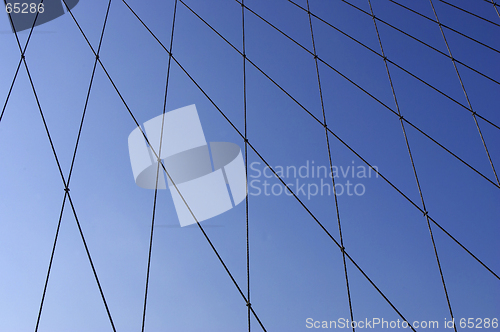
(474, 113)
(426, 214)
(401, 117)
(66, 189)
(22, 56)
(246, 140)
(97, 56)
(342, 249)
(249, 304)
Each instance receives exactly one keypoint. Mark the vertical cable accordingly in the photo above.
(246, 157)
(412, 161)
(342, 248)
(158, 169)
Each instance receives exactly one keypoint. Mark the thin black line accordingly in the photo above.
(492, 2)
(464, 91)
(147, 141)
(315, 118)
(266, 163)
(69, 196)
(89, 89)
(331, 165)
(412, 37)
(412, 162)
(70, 173)
(50, 262)
(91, 262)
(246, 159)
(362, 89)
(158, 168)
(177, 189)
(444, 25)
(251, 146)
(352, 82)
(494, 6)
(470, 13)
(22, 54)
(395, 64)
(61, 173)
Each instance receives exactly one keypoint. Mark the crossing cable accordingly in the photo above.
(154, 152)
(251, 146)
(470, 13)
(421, 42)
(492, 2)
(331, 163)
(158, 167)
(246, 155)
(465, 92)
(412, 165)
(356, 85)
(69, 177)
(66, 188)
(286, 186)
(258, 154)
(20, 58)
(329, 130)
(494, 6)
(443, 25)
(274, 172)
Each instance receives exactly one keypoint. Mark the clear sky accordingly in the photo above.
(296, 270)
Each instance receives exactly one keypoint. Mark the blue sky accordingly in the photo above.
(296, 270)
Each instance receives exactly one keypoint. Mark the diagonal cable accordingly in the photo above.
(465, 92)
(412, 163)
(21, 57)
(329, 130)
(272, 168)
(320, 90)
(70, 173)
(495, 5)
(66, 189)
(362, 89)
(66, 184)
(445, 26)
(156, 155)
(468, 12)
(417, 40)
(492, 2)
(246, 157)
(251, 146)
(158, 168)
